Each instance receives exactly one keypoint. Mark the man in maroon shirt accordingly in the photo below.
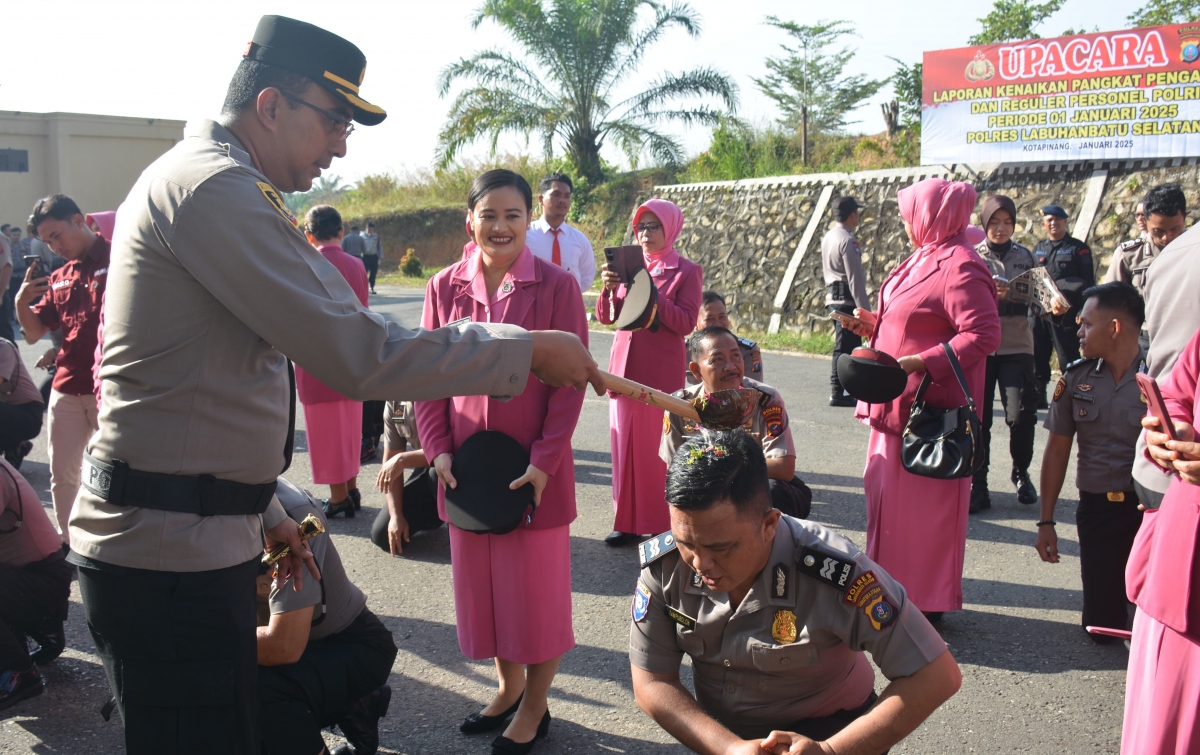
(71, 302)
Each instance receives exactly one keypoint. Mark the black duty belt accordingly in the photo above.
(200, 494)
(1008, 309)
(840, 291)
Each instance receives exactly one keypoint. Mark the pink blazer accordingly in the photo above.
(659, 359)
(949, 297)
(1162, 575)
(536, 295)
(308, 389)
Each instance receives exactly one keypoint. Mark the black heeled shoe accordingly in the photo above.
(477, 723)
(332, 509)
(356, 499)
(505, 746)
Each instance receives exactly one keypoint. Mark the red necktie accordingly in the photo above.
(556, 254)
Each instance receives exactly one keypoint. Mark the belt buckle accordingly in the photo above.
(1116, 497)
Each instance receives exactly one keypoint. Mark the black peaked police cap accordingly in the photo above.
(483, 467)
(640, 308)
(330, 61)
(871, 375)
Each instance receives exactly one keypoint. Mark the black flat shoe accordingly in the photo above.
(505, 746)
(332, 509)
(934, 617)
(356, 498)
(361, 725)
(50, 644)
(477, 723)
(617, 539)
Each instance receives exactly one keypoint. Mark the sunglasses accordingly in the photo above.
(342, 127)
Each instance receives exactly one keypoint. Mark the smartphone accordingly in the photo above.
(1000, 279)
(1154, 400)
(1107, 632)
(846, 320)
(34, 262)
(625, 261)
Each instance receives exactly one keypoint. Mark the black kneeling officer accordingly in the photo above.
(324, 658)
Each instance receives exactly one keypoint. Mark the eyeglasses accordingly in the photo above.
(343, 128)
(647, 227)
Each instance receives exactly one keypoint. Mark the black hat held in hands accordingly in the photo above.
(871, 375)
(483, 467)
(330, 61)
(640, 308)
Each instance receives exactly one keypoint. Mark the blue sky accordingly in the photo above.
(173, 60)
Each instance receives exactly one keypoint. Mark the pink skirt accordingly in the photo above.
(334, 431)
(639, 477)
(916, 526)
(512, 594)
(1162, 691)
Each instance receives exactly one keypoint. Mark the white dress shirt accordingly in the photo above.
(576, 250)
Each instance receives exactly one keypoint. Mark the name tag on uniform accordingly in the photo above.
(456, 323)
(680, 618)
(1083, 397)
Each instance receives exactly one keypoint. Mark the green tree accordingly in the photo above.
(1161, 12)
(1013, 20)
(813, 74)
(576, 53)
(907, 83)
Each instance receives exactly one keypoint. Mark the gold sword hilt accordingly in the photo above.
(310, 527)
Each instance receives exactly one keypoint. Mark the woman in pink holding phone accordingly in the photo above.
(1162, 692)
(657, 359)
(942, 293)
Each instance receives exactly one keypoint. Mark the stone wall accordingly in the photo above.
(437, 235)
(745, 233)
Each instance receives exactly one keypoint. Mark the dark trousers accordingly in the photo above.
(1066, 339)
(297, 700)
(371, 262)
(1013, 373)
(7, 313)
(1106, 532)
(792, 497)
(844, 342)
(419, 505)
(181, 656)
(33, 601)
(372, 419)
(19, 423)
(1043, 347)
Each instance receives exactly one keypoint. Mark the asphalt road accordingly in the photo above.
(1033, 682)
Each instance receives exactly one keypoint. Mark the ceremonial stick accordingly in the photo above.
(650, 396)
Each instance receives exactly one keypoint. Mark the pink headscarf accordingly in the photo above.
(938, 211)
(671, 218)
(975, 234)
(102, 223)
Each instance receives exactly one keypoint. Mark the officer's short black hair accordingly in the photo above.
(370, 224)
(252, 76)
(323, 222)
(716, 466)
(1166, 200)
(545, 184)
(353, 229)
(1121, 297)
(711, 296)
(498, 179)
(56, 207)
(696, 341)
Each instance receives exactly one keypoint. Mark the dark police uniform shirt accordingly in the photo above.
(793, 649)
(1070, 263)
(751, 362)
(768, 423)
(338, 602)
(1106, 415)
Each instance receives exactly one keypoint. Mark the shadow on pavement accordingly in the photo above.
(1019, 644)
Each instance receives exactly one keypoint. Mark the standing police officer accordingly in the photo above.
(775, 613)
(211, 290)
(846, 286)
(1098, 399)
(1070, 263)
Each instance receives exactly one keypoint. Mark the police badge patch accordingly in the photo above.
(1058, 389)
(641, 602)
(277, 202)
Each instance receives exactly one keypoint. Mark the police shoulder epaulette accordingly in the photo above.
(655, 548)
(1130, 245)
(746, 342)
(1078, 363)
(831, 568)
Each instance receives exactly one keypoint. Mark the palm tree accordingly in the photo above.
(576, 53)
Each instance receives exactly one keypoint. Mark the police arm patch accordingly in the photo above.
(277, 202)
(641, 602)
(1060, 388)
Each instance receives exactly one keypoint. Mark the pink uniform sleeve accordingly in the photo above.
(565, 404)
(608, 304)
(969, 301)
(433, 417)
(1179, 392)
(679, 316)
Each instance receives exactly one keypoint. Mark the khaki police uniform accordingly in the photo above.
(1107, 418)
(845, 288)
(751, 362)
(768, 423)
(791, 656)
(419, 494)
(1130, 263)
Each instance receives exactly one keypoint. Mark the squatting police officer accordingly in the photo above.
(211, 291)
(775, 613)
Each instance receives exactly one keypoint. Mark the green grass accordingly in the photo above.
(396, 278)
(804, 343)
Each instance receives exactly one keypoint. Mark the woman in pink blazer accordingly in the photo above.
(1162, 576)
(942, 293)
(512, 592)
(657, 359)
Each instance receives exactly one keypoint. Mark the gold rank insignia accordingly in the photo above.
(783, 629)
(277, 202)
(666, 424)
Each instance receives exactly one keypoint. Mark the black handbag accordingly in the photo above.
(942, 443)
